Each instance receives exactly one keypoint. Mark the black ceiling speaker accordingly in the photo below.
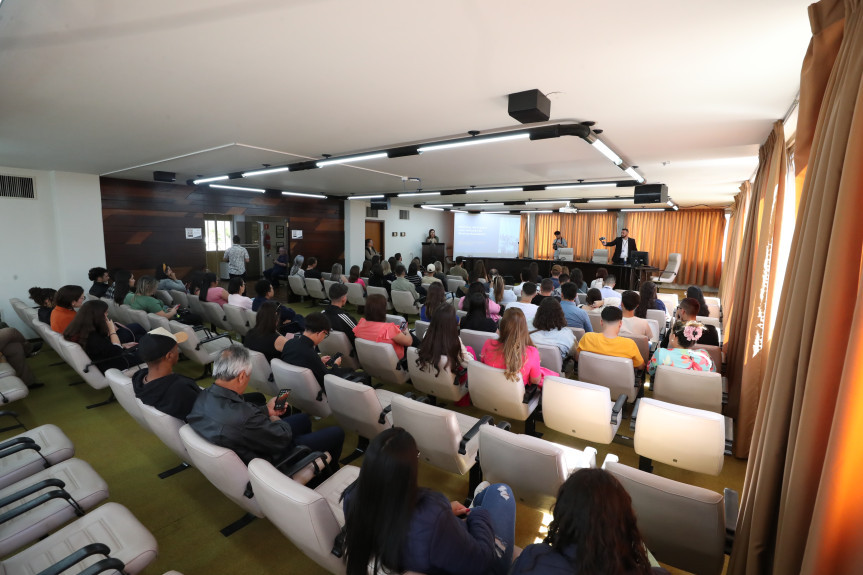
(164, 176)
(380, 204)
(651, 194)
(529, 106)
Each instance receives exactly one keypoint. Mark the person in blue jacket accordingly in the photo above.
(395, 525)
(593, 531)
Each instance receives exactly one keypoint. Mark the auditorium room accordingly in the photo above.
(445, 288)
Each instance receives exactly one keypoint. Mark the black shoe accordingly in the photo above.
(35, 385)
(36, 347)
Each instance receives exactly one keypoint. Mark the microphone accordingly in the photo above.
(602, 239)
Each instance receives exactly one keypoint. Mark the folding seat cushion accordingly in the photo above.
(24, 461)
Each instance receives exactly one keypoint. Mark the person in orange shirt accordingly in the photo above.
(607, 342)
(67, 299)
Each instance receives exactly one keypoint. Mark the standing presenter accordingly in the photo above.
(624, 247)
(432, 237)
(559, 242)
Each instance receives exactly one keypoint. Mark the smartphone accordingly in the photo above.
(282, 399)
(333, 359)
(403, 326)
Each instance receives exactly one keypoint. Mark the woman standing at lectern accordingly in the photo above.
(432, 237)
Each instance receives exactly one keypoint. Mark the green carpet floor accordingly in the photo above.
(185, 512)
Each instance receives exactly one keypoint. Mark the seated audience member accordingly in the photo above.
(97, 336)
(682, 337)
(44, 298)
(632, 325)
(223, 417)
(67, 299)
(594, 300)
(167, 279)
(528, 291)
(124, 282)
(378, 279)
(16, 349)
(237, 293)
(389, 271)
(435, 296)
(648, 300)
(101, 281)
(564, 279)
(555, 275)
(297, 268)
(403, 283)
(194, 280)
(549, 328)
(601, 274)
(394, 526)
(564, 271)
(607, 289)
(210, 290)
(354, 277)
(366, 269)
(429, 277)
(312, 270)
(414, 276)
(513, 351)
(607, 342)
(265, 337)
(300, 351)
(546, 290)
(695, 293)
(593, 530)
(281, 268)
(289, 320)
(479, 274)
(688, 311)
(575, 316)
(524, 277)
(394, 261)
(534, 273)
(340, 320)
(375, 327)
(158, 386)
(498, 292)
(442, 345)
(477, 314)
(577, 277)
(336, 274)
(143, 299)
(492, 307)
(458, 269)
(438, 272)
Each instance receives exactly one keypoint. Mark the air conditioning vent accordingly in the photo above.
(370, 213)
(17, 187)
(404, 214)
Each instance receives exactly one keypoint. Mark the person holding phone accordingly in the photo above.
(300, 351)
(375, 327)
(624, 247)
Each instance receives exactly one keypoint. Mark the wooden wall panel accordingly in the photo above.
(145, 223)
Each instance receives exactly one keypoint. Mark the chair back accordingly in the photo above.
(159, 321)
(643, 345)
(611, 302)
(578, 409)
(658, 316)
(165, 297)
(298, 286)
(654, 329)
(140, 317)
(236, 318)
(476, 339)
(595, 316)
(166, 428)
(380, 291)
(441, 386)
(549, 357)
(338, 342)
(194, 349)
(327, 283)
(454, 283)
(491, 391)
(179, 297)
(251, 318)
(78, 359)
(715, 353)
(566, 254)
(683, 437)
(195, 306)
(396, 319)
(325, 276)
(316, 288)
(578, 332)
(222, 467)
(670, 300)
(306, 394)
(600, 256)
(615, 373)
(403, 302)
(420, 328)
(216, 315)
(696, 389)
(262, 378)
(122, 312)
(379, 360)
(356, 295)
(357, 407)
(121, 387)
(682, 525)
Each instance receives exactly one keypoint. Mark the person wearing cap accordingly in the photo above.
(158, 386)
(429, 277)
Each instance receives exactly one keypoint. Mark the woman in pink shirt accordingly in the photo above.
(375, 327)
(513, 351)
(492, 307)
(354, 277)
(210, 290)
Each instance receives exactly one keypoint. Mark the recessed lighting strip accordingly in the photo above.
(239, 188)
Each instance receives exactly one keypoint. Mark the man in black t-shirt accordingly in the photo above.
(158, 385)
(312, 270)
(340, 320)
(301, 352)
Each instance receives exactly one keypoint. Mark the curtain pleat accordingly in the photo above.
(736, 225)
(522, 237)
(581, 231)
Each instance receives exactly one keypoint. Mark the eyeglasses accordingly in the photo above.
(327, 334)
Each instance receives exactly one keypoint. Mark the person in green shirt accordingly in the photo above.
(143, 299)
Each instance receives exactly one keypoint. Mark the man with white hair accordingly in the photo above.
(222, 417)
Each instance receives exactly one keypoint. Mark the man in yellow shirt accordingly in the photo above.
(608, 342)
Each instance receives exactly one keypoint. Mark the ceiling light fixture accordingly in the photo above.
(580, 185)
(432, 208)
(604, 200)
(415, 195)
(675, 208)
(213, 179)
(224, 187)
(371, 197)
(495, 212)
(643, 210)
(537, 211)
(635, 175)
(489, 190)
(607, 152)
(545, 202)
(483, 205)
(591, 211)
(458, 211)
(352, 159)
(302, 195)
(441, 205)
(473, 141)
(254, 173)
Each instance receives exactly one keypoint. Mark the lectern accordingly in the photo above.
(433, 253)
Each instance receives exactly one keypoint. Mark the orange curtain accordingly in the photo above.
(581, 232)
(736, 225)
(801, 507)
(522, 237)
(695, 234)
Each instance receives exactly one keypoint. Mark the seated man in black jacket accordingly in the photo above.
(158, 385)
(222, 417)
(688, 311)
(340, 320)
(300, 351)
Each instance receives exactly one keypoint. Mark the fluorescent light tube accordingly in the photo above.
(458, 211)
(432, 208)
(635, 175)
(213, 179)
(265, 171)
(584, 185)
(351, 159)
(675, 208)
(472, 142)
(591, 211)
(302, 195)
(258, 190)
(412, 195)
(545, 202)
(441, 205)
(607, 152)
(488, 190)
(643, 210)
(602, 201)
(483, 205)
(372, 197)
(495, 212)
(537, 211)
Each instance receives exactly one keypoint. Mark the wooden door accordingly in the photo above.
(375, 232)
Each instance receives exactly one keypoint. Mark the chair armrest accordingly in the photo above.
(732, 506)
(76, 557)
(530, 391)
(383, 418)
(303, 462)
(16, 445)
(634, 414)
(471, 433)
(213, 338)
(108, 564)
(505, 425)
(125, 354)
(320, 396)
(59, 493)
(10, 414)
(618, 405)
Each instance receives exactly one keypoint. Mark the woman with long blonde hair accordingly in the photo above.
(513, 351)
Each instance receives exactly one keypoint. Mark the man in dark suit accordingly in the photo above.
(624, 247)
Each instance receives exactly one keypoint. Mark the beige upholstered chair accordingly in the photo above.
(262, 379)
(696, 389)
(214, 313)
(201, 351)
(643, 346)
(421, 327)
(298, 286)
(315, 288)
(669, 274)
(180, 298)
(615, 373)
(476, 339)
(437, 385)
(380, 360)
(600, 256)
(380, 291)
(236, 318)
(403, 302)
(121, 387)
(140, 317)
(492, 392)
(580, 409)
(549, 357)
(167, 429)
(306, 393)
(54, 447)
(338, 342)
(356, 295)
(359, 408)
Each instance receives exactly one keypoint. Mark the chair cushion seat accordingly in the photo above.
(6, 369)
(12, 387)
(56, 447)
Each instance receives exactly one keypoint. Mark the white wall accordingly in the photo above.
(50, 241)
(416, 229)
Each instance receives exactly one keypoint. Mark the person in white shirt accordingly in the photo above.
(550, 327)
(631, 325)
(607, 290)
(237, 257)
(499, 293)
(528, 291)
(236, 293)
(601, 274)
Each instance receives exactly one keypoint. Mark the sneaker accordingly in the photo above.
(479, 489)
(36, 347)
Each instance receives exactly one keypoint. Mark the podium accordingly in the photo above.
(432, 253)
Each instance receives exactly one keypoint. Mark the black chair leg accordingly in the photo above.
(174, 470)
(362, 445)
(474, 479)
(530, 425)
(645, 464)
(237, 525)
(111, 399)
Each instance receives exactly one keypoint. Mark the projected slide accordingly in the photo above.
(486, 235)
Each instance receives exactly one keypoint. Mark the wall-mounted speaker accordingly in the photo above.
(380, 204)
(651, 194)
(529, 106)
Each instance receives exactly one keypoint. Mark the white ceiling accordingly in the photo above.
(686, 91)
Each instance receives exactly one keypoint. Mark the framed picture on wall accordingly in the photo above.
(280, 231)
(279, 245)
